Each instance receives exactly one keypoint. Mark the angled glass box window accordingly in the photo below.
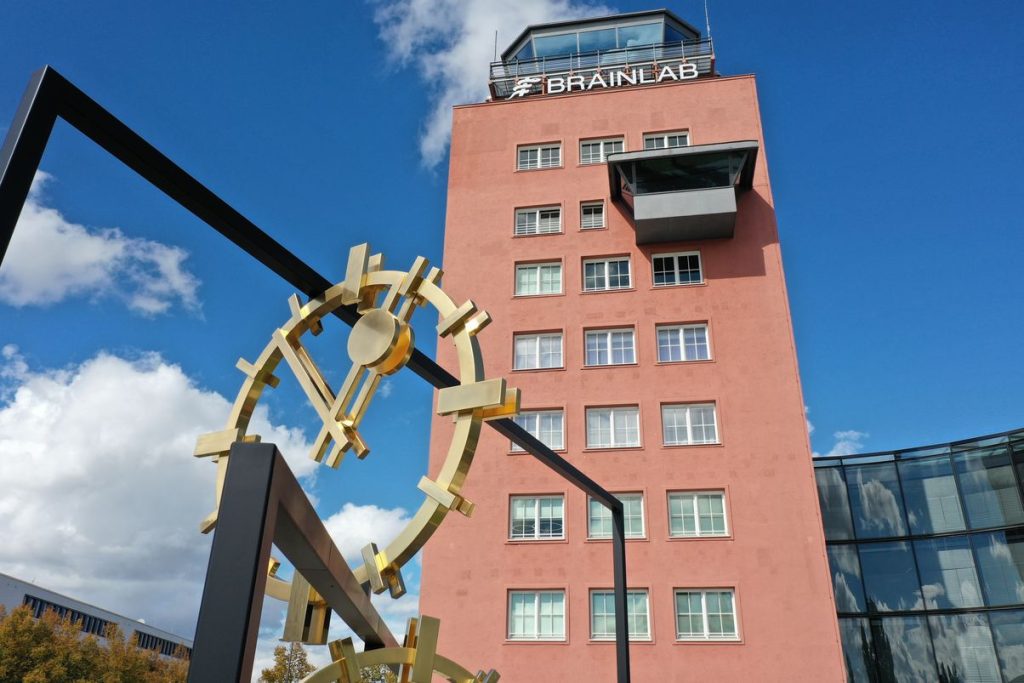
(949, 579)
(683, 193)
(989, 487)
(929, 489)
(875, 501)
(1001, 564)
(835, 505)
(963, 647)
(890, 577)
(846, 579)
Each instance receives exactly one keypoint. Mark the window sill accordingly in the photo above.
(536, 296)
(606, 449)
(535, 541)
(608, 291)
(709, 641)
(603, 227)
(674, 539)
(521, 452)
(702, 283)
(543, 168)
(561, 369)
(609, 365)
(703, 361)
(692, 445)
(629, 539)
(538, 234)
(535, 641)
(611, 641)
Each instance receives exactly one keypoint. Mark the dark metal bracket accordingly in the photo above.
(50, 96)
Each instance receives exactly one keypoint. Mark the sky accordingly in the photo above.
(892, 135)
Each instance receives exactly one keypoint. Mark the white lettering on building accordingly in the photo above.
(610, 79)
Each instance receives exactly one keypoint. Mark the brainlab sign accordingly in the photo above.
(610, 79)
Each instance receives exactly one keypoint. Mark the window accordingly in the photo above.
(536, 615)
(596, 151)
(705, 615)
(533, 517)
(677, 269)
(591, 215)
(538, 278)
(546, 425)
(539, 221)
(610, 347)
(689, 424)
(678, 343)
(697, 514)
(601, 274)
(599, 518)
(613, 427)
(663, 140)
(602, 615)
(537, 351)
(539, 156)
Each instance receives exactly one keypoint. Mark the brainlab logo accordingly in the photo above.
(611, 79)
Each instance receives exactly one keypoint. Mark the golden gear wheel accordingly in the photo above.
(380, 343)
(417, 661)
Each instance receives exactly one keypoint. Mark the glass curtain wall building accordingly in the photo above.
(926, 550)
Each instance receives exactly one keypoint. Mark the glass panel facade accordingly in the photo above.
(890, 577)
(846, 579)
(989, 488)
(903, 649)
(547, 46)
(875, 501)
(933, 504)
(948, 576)
(835, 505)
(1008, 631)
(600, 39)
(857, 654)
(1001, 563)
(963, 648)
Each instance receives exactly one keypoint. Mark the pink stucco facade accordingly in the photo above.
(773, 558)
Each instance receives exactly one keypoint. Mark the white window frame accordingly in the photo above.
(606, 144)
(608, 348)
(536, 337)
(612, 411)
(706, 635)
(631, 593)
(689, 424)
(698, 532)
(540, 154)
(674, 255)
(583, 217)
(539, 267)
(536, 501)
(680, 338)
(542, 224)
(663, 138)
(536, 615)
(535, 430)
(605, 262)
(606, 514)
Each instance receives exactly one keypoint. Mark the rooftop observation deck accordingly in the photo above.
(625, 49)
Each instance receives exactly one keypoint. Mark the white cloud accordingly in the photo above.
(51, 259)
(847, 442)
(354, 526)
(386, 388)
(101, 494)
(451, 43)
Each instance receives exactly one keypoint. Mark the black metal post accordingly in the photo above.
(49, 96)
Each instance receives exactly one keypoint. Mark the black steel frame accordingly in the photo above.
(50, 96)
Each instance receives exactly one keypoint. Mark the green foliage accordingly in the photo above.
(377, 674)
(52, 650)
(290, 665)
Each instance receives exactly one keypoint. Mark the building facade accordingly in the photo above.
(94, 621)
(610, 207)
(926, 548)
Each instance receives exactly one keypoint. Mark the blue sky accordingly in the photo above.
(892, 138)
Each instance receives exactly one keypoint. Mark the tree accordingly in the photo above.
(377, 674)
(290, 665)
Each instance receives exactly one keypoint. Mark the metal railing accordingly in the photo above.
(504, 75)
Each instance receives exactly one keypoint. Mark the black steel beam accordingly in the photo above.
(50, 96)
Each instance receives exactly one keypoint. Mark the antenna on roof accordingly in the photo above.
(495, 46)
(707, 18)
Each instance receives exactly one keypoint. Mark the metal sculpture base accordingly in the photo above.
(263, 504)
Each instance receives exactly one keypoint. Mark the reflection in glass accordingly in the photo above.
(948, 576)
(890, 578)
(642, 34)
(835, 506)
(549, 46)
(989, 488)
(846, 581)
(903, 649)
(601, 39)
(857, 651)
(963, 648)
(875, 501)
(929, 490)
(1008, 630)
(1001, 562)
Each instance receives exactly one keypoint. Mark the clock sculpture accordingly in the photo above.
(380, 344)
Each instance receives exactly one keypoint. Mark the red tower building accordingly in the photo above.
(610, 207)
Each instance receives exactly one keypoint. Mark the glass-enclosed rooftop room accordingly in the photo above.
(635, 39)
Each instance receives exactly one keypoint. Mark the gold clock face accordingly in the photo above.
(380, 343)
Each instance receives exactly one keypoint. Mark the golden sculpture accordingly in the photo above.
(380, 343)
